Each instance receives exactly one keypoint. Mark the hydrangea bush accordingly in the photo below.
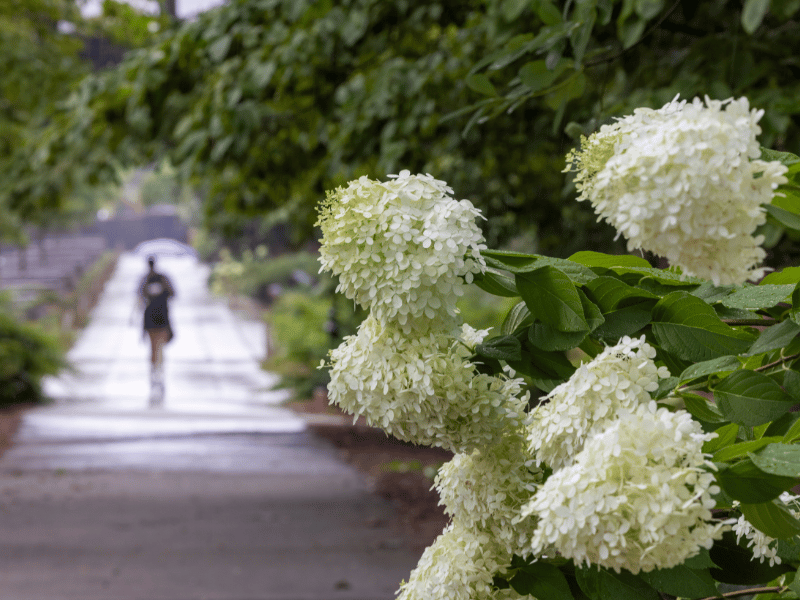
(627, 432)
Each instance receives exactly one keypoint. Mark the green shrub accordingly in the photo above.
(483, 310)
(299, 328)
(26, 355)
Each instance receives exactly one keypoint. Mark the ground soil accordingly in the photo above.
(10, 417)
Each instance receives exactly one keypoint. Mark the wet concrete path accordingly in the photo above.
(221, 494)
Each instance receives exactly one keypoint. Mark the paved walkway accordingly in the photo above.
(220, 494)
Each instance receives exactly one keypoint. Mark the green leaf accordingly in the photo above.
(580, 37)
(513, 8)
(746, 482)
(546, 337)
(787, 275)
(536, 76)
(726, 435)
(794, 312)
(742, 449)
(710, 293)
(758, 296)
(546, 369)
(779, 459)
(723, 364)
(689, 328)
(505, 347)
(548, 13)
(624, 321)
(774, 337)
(772, 518)
(601, 584)
(793, 433)
(701, 560)
(701, 409)
(592, 313)
(541, 580)
(524, 263)
(682, 581)
(518, 316)
(609, 293)
(751, 398)
(783, 216)
(785, 158)
(598, 259)
(551, 297)
(630, 31)
(218, 50)
(481, 84)
(496, 283)
(753, 13)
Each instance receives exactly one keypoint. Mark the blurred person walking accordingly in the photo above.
(155, 290)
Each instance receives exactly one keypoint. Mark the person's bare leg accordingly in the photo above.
(158, 338)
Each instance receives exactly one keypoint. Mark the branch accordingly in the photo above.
(751, 322)
(655, 26)
(763, 590)
(778, 362)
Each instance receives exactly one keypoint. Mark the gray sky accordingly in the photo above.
(185, 8)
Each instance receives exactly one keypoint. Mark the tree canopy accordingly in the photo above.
(267, 103)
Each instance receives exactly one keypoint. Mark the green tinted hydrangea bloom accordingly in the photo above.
(401, 248)
(486, 489)
(685, 182)
(621, 377)
(637, 497)
(423, 388)
(459, 565)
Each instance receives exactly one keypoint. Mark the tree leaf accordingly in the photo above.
(496, 283)
(758, 296)
(787, 275)
(772, 518)
(505, 347)
(783, 216)
(481, 84)
(682, 581)
(751, 398)
(602, 584)
(701, 409)
(598, 259)
(774, 337)
(785, 158)
(742, 449)
(546, 337)
(723, 364)
(689, 328)
(518, 315)
(624, 321)
(746, 482)
(726, 435)
(536, 76)
(779, 459)
(541, 580)
(551, 297)
(609, 292)
(753, 14)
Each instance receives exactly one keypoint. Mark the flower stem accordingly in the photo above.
(762, 590)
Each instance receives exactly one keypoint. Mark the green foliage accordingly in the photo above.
(733, 353)
(253, 275)
(26, 355)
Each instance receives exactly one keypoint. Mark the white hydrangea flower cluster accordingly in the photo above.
(685, 182)
(637, 497)
(424, 389)
(459, 565)
(486, 489)
(402, 248)
(621, 377)
(765, 547)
